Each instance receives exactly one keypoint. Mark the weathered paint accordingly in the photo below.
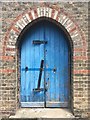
(55, 73)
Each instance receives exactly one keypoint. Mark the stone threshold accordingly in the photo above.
(42, 113)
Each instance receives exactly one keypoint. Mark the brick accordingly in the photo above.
(30, 15)
(72, 29)
(35, 13)
(15, 29)
(27, 18)
(7, 70)
(5, 58)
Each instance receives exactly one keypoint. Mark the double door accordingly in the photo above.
(44, 67)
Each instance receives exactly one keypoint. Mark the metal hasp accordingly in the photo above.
(39, 42)
(38, 89)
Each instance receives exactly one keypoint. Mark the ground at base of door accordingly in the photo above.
(43, 113)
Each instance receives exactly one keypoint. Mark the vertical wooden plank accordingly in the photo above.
(52, 64)
(35, 65)
(41, 53)
(62, 67)
(57, 66)
(22, 87)
(27, 51)
(30, 64)
(32, 61)
(66, 88)
(48, 61)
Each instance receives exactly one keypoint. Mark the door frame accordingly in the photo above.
(70, 43)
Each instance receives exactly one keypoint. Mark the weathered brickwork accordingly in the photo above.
(73, 16)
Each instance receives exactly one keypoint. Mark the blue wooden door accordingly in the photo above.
(44, 67)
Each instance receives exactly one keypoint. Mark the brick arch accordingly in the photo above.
(19, 40)
(59, 15)
(77, 37)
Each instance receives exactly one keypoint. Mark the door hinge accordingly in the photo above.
(37, 42)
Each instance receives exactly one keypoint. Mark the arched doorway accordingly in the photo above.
(45, 69)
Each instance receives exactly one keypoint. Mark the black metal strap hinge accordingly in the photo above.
(38, 42)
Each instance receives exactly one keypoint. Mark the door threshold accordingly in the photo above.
(43, 113)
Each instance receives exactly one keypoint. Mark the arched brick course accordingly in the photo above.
(78, 39)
